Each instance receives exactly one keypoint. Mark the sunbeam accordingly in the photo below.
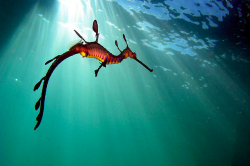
(180, 97)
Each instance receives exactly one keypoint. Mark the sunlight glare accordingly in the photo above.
(73, 12)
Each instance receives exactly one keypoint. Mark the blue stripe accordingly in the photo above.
(108, 58)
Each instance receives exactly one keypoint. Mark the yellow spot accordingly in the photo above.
(126, 55)
(83, 54)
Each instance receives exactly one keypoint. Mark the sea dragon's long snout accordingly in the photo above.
(151, 70)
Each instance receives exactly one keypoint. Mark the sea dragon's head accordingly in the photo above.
(128, 53)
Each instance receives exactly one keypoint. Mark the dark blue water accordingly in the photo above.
(193, 109)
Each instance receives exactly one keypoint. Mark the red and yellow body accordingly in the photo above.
(95, 50)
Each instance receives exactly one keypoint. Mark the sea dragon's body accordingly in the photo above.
(89, 50)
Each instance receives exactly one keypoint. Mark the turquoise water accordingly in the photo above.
(193, 109)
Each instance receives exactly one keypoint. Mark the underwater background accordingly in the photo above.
(193, 109)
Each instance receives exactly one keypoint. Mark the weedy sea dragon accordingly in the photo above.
(89, 50)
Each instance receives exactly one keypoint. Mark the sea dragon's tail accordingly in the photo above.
(40, 103)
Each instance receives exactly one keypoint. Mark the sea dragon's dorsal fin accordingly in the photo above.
(95, 29)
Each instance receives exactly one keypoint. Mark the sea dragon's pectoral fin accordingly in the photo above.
(102, 64)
